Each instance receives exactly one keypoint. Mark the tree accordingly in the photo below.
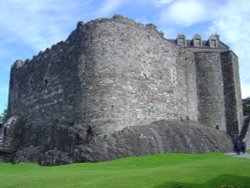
(246, 106)
(3, 116)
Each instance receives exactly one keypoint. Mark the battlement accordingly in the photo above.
(79, 34)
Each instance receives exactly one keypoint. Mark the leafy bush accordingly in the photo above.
(3, 116)
(246, 106)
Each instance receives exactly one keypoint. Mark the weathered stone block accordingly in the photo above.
(11, 134)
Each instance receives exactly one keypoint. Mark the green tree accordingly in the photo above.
(3, 116)
(246, 105)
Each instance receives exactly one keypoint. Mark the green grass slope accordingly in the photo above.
(209, 170)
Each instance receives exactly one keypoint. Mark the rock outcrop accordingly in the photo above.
(11, 133)
(68, 145)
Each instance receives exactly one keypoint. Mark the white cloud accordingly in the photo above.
(43, 23)
(160, 3)
(189, 12)
(26, 22)
(233, 25)
(185, 13)
(38, 23)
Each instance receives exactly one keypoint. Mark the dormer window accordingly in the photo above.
(181, 40)
(213, 42)
(197, 41)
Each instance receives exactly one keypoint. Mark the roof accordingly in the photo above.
(205, 44)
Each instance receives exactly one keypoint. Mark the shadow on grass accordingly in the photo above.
(224, 181)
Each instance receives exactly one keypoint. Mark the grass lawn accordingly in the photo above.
(211, 170)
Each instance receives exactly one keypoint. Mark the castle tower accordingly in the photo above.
(232, 93)
(218, 86)
(210, 89)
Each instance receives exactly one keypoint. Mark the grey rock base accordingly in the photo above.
(68, 145)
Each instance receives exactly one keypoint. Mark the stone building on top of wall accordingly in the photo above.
(212, 43)
(218, 85)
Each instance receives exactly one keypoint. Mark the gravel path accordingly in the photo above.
(246, 155)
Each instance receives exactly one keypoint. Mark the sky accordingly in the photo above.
(30, 26)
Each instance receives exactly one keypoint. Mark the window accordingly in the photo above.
(4, 131)
(197, 42)
(213, 43)
(173, 76)
(181, 42)
(46, 82)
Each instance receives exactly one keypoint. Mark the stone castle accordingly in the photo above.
(118, 88)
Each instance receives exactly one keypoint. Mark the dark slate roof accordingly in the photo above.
(204, 43)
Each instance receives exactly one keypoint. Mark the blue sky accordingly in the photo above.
(29, 26)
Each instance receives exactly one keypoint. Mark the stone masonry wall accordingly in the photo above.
(233, 104)
(210, 90)
(132, 76)
(109, 74)
(45, 89)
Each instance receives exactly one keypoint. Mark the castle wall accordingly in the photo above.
(132, 76)
(232, 93)
(114, 73)
(45, 89)
(109, 74)
(210, 90)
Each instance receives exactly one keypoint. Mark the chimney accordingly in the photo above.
(217, 37)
